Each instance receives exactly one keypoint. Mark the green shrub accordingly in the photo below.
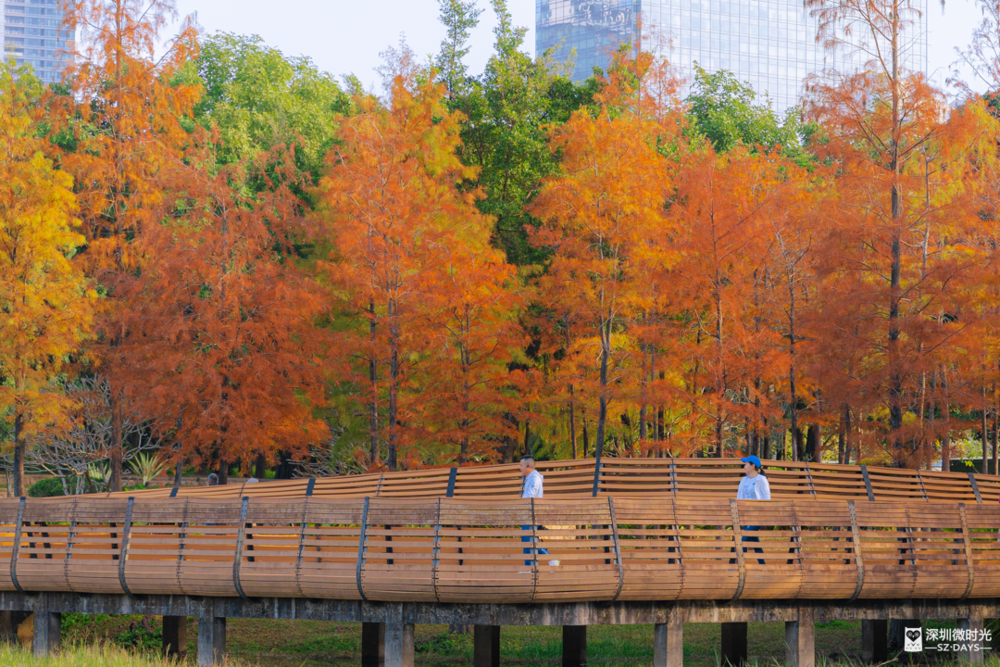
(46, 488)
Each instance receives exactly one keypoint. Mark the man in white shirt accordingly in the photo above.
(533, 488)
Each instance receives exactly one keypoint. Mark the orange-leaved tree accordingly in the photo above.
(892, 256)
(721, 206)
(223, 329)
(469, 316)
(395, 212)
(120, 126)
(900, 151)
(599, 216)
(45, 300)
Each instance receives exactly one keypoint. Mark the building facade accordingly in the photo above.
(33, 34)
(771, 44)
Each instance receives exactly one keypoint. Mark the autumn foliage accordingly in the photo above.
(461, 283)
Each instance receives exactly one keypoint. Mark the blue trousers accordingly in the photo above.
(527, 550)
(753, 538)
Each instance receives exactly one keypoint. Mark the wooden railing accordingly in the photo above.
(451, 550)
(668, 477)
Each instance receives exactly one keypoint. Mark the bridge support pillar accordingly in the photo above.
(398, 637)
(668, 642)
(574, 645)
(973, 623)
(874, 641)
(800, 640)
(372, 644)
(211, 638)
(734, 644)
(48, 629)
(175, 641)
(487, 646)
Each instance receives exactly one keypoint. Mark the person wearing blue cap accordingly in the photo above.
(753, 487)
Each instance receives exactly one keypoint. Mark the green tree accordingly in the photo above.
(505, 133)
(460, 17)
(729, 113)
(260, 98)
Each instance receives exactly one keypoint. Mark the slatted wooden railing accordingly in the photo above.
(682, 478)
(453, 550)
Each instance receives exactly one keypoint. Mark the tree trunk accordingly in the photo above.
(223, 472)
(179, 471)
(586, 437)
(602, 415)
(642, 424)
(373, 389)
(527, 437)
(260, 467)
(842, 437)
(117, 438)
(996, 434)
(393, 389)
(813, 437)
(19, 447)
(572, 420)
(985, 435)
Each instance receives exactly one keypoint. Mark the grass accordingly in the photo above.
(113, 641)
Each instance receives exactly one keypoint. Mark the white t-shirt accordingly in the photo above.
(754, 488)
(532, 485)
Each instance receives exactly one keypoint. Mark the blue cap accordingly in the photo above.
(751, 459)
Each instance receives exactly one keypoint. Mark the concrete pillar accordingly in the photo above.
(574, 645)
(372, 643)
(668, 642)
(800, 640)
(398, 637)
(874, 641)
(211, 638)
(48, 630)
(175, 637)
(487, 646)
(973, 623)
(734, 644)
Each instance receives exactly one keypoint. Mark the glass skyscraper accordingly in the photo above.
(32, 31)
(771, 44)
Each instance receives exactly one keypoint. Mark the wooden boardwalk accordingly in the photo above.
(458, 551)
(635, 541)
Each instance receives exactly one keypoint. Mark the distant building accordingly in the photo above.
(771, 44)
(32, 31)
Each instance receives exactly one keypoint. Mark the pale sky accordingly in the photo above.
(343, 36)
